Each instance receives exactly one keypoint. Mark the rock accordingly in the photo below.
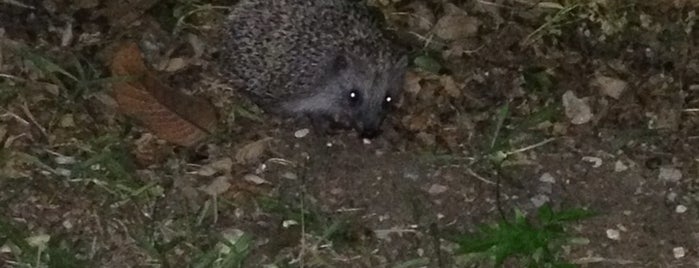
(619, 166)
(613, 234)
(679, 252)
(576, 109)
(547, 178)
(539, 200)
(610, 86)
(437, 189)
(596, 161)
(670, 174)
(301, 133)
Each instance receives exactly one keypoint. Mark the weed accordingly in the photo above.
(36, 250)
(77, 77)
(534, 244)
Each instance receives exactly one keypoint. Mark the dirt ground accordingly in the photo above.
(508, 105)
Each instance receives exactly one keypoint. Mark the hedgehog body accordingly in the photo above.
(325, 59)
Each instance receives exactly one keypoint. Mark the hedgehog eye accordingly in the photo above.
(354, 97)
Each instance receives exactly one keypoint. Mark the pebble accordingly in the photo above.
(613, 234)
(576, 109)
(670, 174)
(596, 161)
(546, 177)
(679, 252)
(680, 209)
(539, 200)
(301, 133)
(619, 166)
(437, 189)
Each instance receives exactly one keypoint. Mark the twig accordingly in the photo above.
(28, 113)
(539, 144)
(586, 260)
(691, 110)
(16, 3)
(9, 76)
(479, 177)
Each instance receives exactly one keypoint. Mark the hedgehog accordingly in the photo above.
(326, 60)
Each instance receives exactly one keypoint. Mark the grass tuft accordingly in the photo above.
(536, 245)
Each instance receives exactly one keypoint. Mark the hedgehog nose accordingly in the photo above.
(369, 129)
(370, 133)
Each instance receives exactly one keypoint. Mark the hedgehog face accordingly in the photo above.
(365, 93)
(353, 93)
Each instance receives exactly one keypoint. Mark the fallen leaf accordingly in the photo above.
(456, 25)
(252, 151)
(218, 186)
(169, 113)
(255, 179)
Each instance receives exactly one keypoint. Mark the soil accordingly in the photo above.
(432, 174)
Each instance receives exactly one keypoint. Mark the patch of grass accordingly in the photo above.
(40, 250)
(534, 244)
(327, 228)
(231, 251)
(76, 76)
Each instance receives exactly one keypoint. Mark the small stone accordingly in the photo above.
(301, 133)
(619, 166)
(576, 109)
(680, 209)
(670, 174)
(67, 224)
(437, 189)
(539, 200)
(289, 223)
(547, 178)
(679, 252)
(596, 161)
(67, 121)
(610, 86)
(366, 141)
(613, 234)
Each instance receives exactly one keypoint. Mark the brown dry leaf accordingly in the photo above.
(170, 114)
